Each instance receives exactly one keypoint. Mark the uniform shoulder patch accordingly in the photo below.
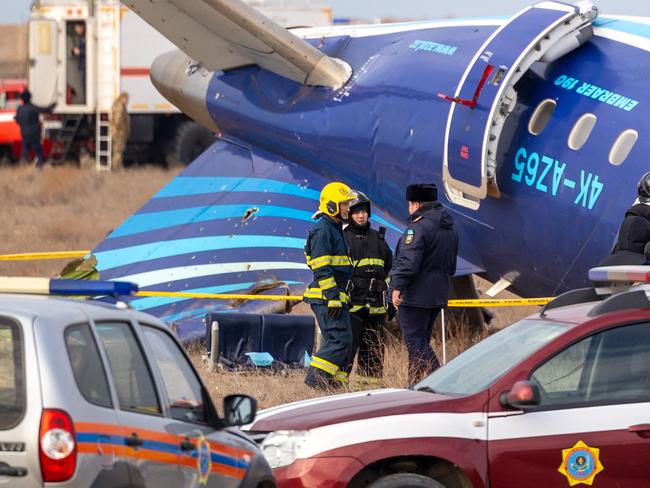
(410, 235)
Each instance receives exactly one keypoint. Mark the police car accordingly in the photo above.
(558, 399)
(97, 395)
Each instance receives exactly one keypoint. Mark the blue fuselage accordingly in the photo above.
(559, 209)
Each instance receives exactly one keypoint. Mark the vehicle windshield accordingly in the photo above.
(484, 363)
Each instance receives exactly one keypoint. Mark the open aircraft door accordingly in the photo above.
(486, 95)
(43, 61)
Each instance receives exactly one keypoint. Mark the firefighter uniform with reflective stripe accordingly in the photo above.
(372, 260)
(327, 256)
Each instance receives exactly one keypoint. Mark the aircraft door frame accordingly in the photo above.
(485, 94)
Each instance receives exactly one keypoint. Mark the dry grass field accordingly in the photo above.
(67, 208)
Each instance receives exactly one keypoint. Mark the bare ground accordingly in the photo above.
(67, 208)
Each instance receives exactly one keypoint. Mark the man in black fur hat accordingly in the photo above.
(425, 260)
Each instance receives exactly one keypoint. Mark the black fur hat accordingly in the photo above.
(422, 192)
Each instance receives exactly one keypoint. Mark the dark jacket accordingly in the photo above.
(328, 257)
(372, 260)
(635, 230)
(632, 237)
(27, 118)
(425, 258)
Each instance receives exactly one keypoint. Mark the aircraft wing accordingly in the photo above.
(235, 220)
(225, 34)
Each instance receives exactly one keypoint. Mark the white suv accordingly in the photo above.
(95, 395)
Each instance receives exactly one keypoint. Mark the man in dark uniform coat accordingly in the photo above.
(27, 117)
(425, 260)
(634, 232)
(328, 257)
(372, 260)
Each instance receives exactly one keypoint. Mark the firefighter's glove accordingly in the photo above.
(334, 309)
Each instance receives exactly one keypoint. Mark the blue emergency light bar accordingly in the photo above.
(623, 274)
(46, 286)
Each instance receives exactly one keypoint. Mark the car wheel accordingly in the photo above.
(406, 480)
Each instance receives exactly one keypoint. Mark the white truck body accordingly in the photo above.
(119, 49)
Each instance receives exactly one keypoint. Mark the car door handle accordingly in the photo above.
(187, 445)
(133, 441)
(642, 430)
(13, 471)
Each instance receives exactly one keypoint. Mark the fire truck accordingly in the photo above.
(9, 131)
(84, 53)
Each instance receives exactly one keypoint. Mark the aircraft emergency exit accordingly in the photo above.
(534, 126)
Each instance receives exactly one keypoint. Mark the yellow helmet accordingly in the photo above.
(332, 195)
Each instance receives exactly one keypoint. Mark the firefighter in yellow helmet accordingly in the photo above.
(327, 255)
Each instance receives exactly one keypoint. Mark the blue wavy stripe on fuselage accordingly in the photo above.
(200, 282)
(160, 220)
(206, 257)
(207, 199)
(261, 222)
(122, 257)
(627, 26)
(192, 185)
(269, 226)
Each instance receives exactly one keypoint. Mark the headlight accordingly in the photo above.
(281, 448)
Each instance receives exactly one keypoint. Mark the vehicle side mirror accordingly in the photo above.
(239, 409)
(523, 394)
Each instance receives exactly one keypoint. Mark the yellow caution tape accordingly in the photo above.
(515, 302)
(219, 296)
(510, 302)
(43, 255)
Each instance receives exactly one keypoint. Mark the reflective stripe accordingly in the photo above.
(377, 310)
(342, 376)
(371, 310)
(324, 364)
(321, 261)
(313, 293)
(369, 262)
(318, 293)
(334, 304)
(327, 283)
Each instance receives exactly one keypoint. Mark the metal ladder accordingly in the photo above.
(103, 149)
(108, 78)
(65, 136)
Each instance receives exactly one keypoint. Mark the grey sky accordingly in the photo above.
(18, 10)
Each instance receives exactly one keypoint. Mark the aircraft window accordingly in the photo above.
(581, 131)
(541, 116)
(622, 146)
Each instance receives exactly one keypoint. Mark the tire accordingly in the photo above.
(189, 141)
(406, 480)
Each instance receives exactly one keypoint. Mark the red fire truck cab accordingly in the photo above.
(10, 143)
